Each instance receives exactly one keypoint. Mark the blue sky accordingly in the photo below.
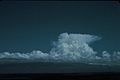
(26, 26)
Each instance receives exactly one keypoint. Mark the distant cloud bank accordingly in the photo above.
(68, 48)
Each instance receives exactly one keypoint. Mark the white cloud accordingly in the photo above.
(69, 47)
(75, 46)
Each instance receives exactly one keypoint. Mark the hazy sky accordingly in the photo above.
(26, 26)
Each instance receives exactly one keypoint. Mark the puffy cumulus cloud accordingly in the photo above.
(34, 55)
(74, 47)
(69, 48)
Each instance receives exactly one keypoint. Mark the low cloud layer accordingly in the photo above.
(68, 48)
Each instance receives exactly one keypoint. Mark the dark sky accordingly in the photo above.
(26, 26)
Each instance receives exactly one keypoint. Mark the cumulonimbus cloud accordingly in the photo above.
(68, 48)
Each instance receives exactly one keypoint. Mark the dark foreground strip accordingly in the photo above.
(61, 76)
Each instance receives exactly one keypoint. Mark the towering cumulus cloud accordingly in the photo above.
(68, 48)
(74, 47)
